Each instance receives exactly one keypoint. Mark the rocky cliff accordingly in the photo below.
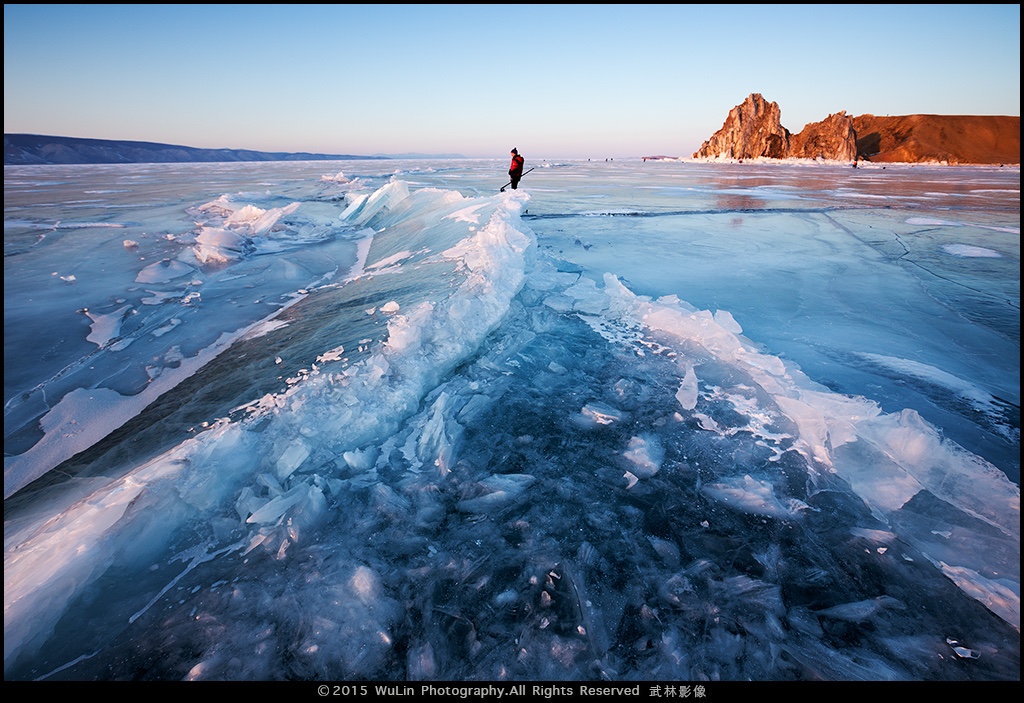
(754, 129)
(834, 138)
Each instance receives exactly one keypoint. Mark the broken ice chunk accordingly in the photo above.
(862, 610)
(748, 495)
(499, 490)
(687, 393)
(597, 414)
(332, 355)
(292, 458)
(646, 453)
(962, 651)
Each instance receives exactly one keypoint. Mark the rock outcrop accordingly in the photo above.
(754, 129)
(833, 139)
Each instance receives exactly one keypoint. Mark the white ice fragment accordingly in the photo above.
(962, 651)
(106, 327)
(292, 458)
(559, 302)
(406, 332)
(365, 207)
(248, 502)
(725, 319)
(646, 453)
(687, 393)
(1000, 598)
(215, 245)
(365, 585)
(796, 505)
(255, 540)
(332, 355)
(920, 453)
(271, 483)
(276, 507)
(361, 459)
(813, 425)
(390, 261)
(748, 495)
(586, 297)
(707, 423)
(598, 414)
(390, 307)
(501, 490)
(258, 221)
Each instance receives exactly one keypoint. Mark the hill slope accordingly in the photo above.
(956, 139)
(24, 149)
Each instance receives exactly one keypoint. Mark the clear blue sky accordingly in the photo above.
(558, 81)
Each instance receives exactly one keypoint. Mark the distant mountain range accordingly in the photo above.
(26, 149)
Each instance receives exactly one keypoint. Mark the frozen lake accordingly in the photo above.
(634, 421)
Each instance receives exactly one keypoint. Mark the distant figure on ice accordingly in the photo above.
(515, 171)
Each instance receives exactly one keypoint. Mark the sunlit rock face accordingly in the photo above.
(752, 130)
(833, 138)
(951, 139)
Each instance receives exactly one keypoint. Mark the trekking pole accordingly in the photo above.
(510, 182)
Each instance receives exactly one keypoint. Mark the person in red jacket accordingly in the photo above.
(515, 171)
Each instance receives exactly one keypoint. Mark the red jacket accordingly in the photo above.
(516, 169)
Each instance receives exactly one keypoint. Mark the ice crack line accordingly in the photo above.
(675, 213)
